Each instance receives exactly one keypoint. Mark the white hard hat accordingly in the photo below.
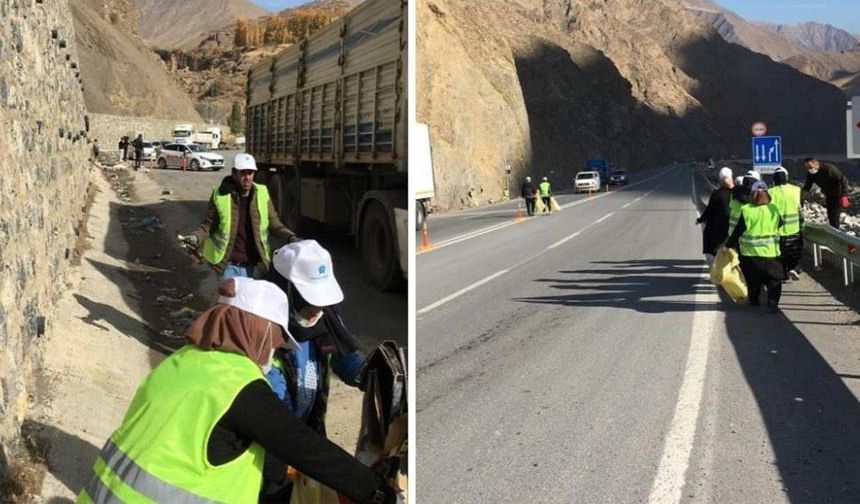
(739, 180)
(544, 178)
(244, 161)
(528, 179)
(781, 169)
(754, 174)
(308, 266)
(263, 299)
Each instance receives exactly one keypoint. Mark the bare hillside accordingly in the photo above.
(120, 75)
(173, 24)
(816, 36)
(546, 84)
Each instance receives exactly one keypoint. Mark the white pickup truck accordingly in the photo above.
(586, 181)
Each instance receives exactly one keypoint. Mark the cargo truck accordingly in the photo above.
(326, 120)
(422, 173)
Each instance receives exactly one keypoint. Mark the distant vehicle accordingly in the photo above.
(618, 177)
(196, 157)
(148, 150)
(586, 181)
(184, 133)
(425, 185)
(600, 165)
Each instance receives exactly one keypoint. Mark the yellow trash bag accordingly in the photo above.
(539, 206)
(726, 272)
(553, 205)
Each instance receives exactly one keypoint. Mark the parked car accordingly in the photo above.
(586, 181)
(196, 157)
(618, 177)
(148, 151)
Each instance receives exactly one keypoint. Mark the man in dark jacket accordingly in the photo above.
(716, 215)
(528, 193)
(832, 183)
(138, 150)
(240, 218)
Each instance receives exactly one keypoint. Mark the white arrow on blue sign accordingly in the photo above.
(767, 150)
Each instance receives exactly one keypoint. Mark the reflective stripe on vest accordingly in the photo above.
(159, 452)
(215, 246)
(141, 481)
(760, 239)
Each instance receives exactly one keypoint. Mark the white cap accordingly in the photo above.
(725, 173)
(739, 180)
(544, 178)
(263, 299)
(308, 266)
(781, 169)
(244, 161)
(754, 174)
(528, 179)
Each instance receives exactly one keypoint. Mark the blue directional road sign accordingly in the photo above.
(767, 151)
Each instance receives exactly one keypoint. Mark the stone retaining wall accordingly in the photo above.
(43, 190)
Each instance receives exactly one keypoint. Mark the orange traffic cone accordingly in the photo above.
(425, 238)
(519, 211)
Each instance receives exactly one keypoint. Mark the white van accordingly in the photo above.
(586, 181)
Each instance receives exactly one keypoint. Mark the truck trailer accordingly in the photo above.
(326, 120)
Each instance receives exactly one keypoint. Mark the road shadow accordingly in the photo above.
(811, 417)
(645, 285)
(69, 458)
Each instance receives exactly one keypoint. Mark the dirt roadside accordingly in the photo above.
(126, 307)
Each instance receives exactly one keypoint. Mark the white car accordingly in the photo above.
(196, 157)
(586, 181)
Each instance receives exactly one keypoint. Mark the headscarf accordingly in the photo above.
(230, 329)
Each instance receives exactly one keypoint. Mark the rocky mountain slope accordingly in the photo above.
(171, 24)
(815, 36)
(120, 75)
(214, 73)
(822, 51)
(546, 84)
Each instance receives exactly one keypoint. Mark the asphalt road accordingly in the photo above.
(584, 357)
(373, 316)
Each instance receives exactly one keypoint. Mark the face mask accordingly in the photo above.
(305, 322)
(813, 171)
(270, 363)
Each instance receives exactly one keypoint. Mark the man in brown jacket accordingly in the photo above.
(833, 184)
(239, 220)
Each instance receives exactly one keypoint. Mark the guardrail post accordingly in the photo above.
(816, 251)
(845, 270)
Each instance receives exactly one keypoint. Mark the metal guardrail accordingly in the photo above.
(827, 238)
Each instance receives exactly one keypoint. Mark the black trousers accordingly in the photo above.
(833, 211)
(791, 248)
(763, 272)
(530, 206)
(546, 207)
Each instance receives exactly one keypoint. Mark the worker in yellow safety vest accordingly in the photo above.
(203, 422)
(786, 197)
(545, 194)
(756, 237)
(239, 221)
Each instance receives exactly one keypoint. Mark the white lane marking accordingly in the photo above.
(496, 227)
(626, 205)
(671, 473)
(462, 291)
(610, 214)
(469, 236)
(565, 240)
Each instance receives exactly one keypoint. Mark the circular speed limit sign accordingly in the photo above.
(759, 129)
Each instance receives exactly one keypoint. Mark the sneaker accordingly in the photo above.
(794, 275)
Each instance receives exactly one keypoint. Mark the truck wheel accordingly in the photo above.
(284, 189)
(420, 215)
(379, 249)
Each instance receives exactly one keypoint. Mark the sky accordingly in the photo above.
(278, 5)
(843, 14)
